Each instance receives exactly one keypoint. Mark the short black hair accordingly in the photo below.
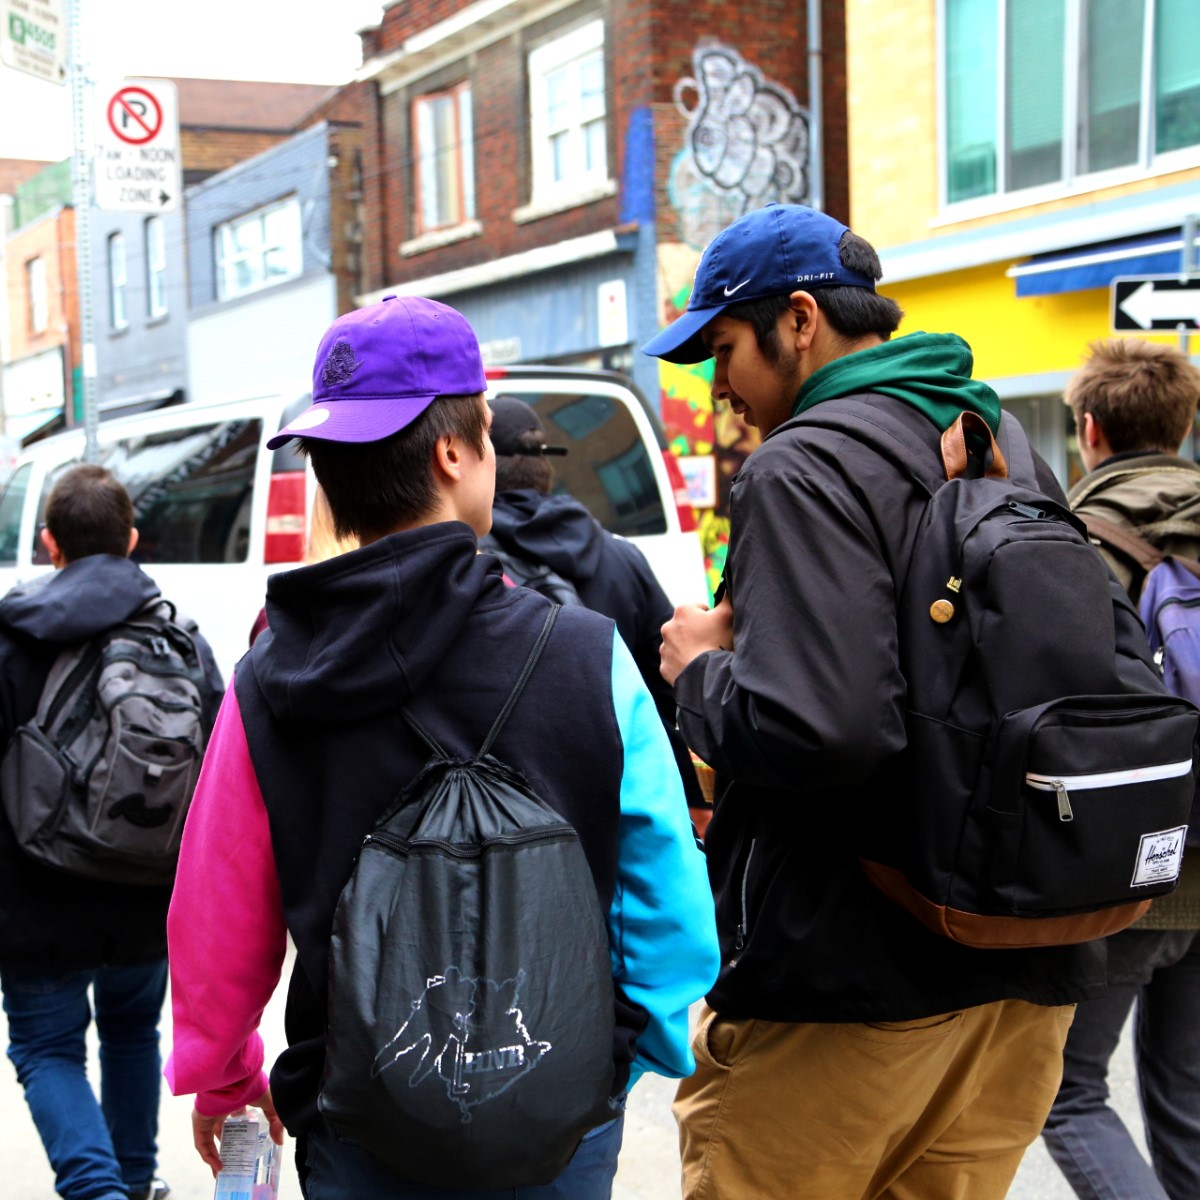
(852, 312)
(373, 487)
(89, 512)
(522, 472)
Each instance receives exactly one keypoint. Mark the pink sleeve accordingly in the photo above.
(226, 935)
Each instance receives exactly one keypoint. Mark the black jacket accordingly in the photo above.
(50, 920)
(611, 576)
(803, 722)
(420, 619)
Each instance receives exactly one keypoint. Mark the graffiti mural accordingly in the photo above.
(746, 145)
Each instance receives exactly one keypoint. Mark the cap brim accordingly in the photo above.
(357, 420)
(680, 342)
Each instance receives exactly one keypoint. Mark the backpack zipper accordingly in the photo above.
(1062, 785)
(744, 924)
(389, 841)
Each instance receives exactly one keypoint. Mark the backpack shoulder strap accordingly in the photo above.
(509, 704)
(1129, 543)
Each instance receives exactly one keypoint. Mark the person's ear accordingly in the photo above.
(1090, 431)
(133, 541)
(52, 548)
(448, 456)
(802, 315)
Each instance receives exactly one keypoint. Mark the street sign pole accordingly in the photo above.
(82, 193)
(1187, 268)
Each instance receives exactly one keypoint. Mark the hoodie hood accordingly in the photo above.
(356, 635)
(556, 530)
(81, 600)
(930, 371)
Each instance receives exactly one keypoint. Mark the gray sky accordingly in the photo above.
(288, 41)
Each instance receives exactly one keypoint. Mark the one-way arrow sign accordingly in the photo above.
(1149, 302)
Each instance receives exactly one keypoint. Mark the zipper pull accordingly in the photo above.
(740, 936)
(1064, 801)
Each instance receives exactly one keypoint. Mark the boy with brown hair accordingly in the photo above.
(1134, 402)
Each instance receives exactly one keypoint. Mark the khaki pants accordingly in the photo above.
(936, 1109)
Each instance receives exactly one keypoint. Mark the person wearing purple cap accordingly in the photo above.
(845, 1050)
(312, 748)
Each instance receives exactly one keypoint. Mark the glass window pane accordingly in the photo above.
(248, 235)
(1176, 74)
(971, 84)
(466, 153)
(1110, 84)
(558, 157)
(1036, 29)
(593, 143)
(558, 98)
(591, 85)
(191, 491)
(12, 505)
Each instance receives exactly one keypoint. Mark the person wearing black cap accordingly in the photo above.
(557, 535)
(846, 1051)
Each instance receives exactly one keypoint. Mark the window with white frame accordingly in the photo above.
(444, 152)
(118, 280)
(35, 283)
(1046, 92)
(156, 268)
(567, 113)
(258, 249)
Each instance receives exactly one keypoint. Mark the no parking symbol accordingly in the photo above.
(137, 148)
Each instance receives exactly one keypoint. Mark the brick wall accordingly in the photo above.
(52, 239)
(648, 47)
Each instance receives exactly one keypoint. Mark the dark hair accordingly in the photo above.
(518, 472)
(852, 312)
(88, 512)
(1141, 394)
(373, 487)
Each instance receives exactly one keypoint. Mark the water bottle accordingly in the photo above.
(250, 1160)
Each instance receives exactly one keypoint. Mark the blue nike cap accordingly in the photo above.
(772, 251)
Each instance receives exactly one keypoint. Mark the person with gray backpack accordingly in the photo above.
(1134, 402)
(107, 696)
(459, 800)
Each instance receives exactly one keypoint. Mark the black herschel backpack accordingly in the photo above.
(470, 1040)
(1047, 781)
(538, 577)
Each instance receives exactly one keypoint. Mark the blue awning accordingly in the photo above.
(1097, 266)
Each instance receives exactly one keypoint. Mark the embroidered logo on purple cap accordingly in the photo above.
(379, 367)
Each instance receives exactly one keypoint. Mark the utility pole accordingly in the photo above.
(81, 188)
(816, 140)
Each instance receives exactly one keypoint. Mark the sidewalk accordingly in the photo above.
(649, 1160)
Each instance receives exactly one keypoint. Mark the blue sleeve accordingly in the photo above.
(662, 927)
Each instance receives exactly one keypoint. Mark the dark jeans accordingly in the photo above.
(99, 1151)
(1086, 1138)
(334, 1170)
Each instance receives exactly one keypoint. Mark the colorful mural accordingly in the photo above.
(746, 145)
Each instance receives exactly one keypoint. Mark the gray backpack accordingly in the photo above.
(99, 782)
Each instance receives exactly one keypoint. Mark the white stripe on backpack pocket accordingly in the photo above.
(1104, 779)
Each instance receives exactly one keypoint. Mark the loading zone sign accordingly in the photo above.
(137, 165)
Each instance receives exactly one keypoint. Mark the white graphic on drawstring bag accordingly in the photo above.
(442, 1035)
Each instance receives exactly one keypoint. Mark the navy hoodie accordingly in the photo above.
(50, 920)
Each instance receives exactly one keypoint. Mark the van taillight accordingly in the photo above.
(285, 518)
(683, 506)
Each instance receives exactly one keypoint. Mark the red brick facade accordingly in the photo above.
(649, 46)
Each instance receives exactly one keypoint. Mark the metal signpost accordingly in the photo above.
(137, 148)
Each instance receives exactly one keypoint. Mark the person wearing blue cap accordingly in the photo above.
(845, 1050)
(314, 749)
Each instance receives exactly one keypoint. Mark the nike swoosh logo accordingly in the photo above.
(730, 290)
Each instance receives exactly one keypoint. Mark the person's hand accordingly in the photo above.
(206, 1131)
(693, 630)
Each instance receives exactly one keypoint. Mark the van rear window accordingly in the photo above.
(191, 488)
(12, 505)
(607, 466)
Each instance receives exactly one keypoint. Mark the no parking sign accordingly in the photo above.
(137, 148)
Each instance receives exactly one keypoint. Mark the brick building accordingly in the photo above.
(554, 170)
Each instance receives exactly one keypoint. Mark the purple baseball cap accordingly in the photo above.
(378, 368)
(771, 251)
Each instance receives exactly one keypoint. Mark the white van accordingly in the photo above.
(217, 512)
